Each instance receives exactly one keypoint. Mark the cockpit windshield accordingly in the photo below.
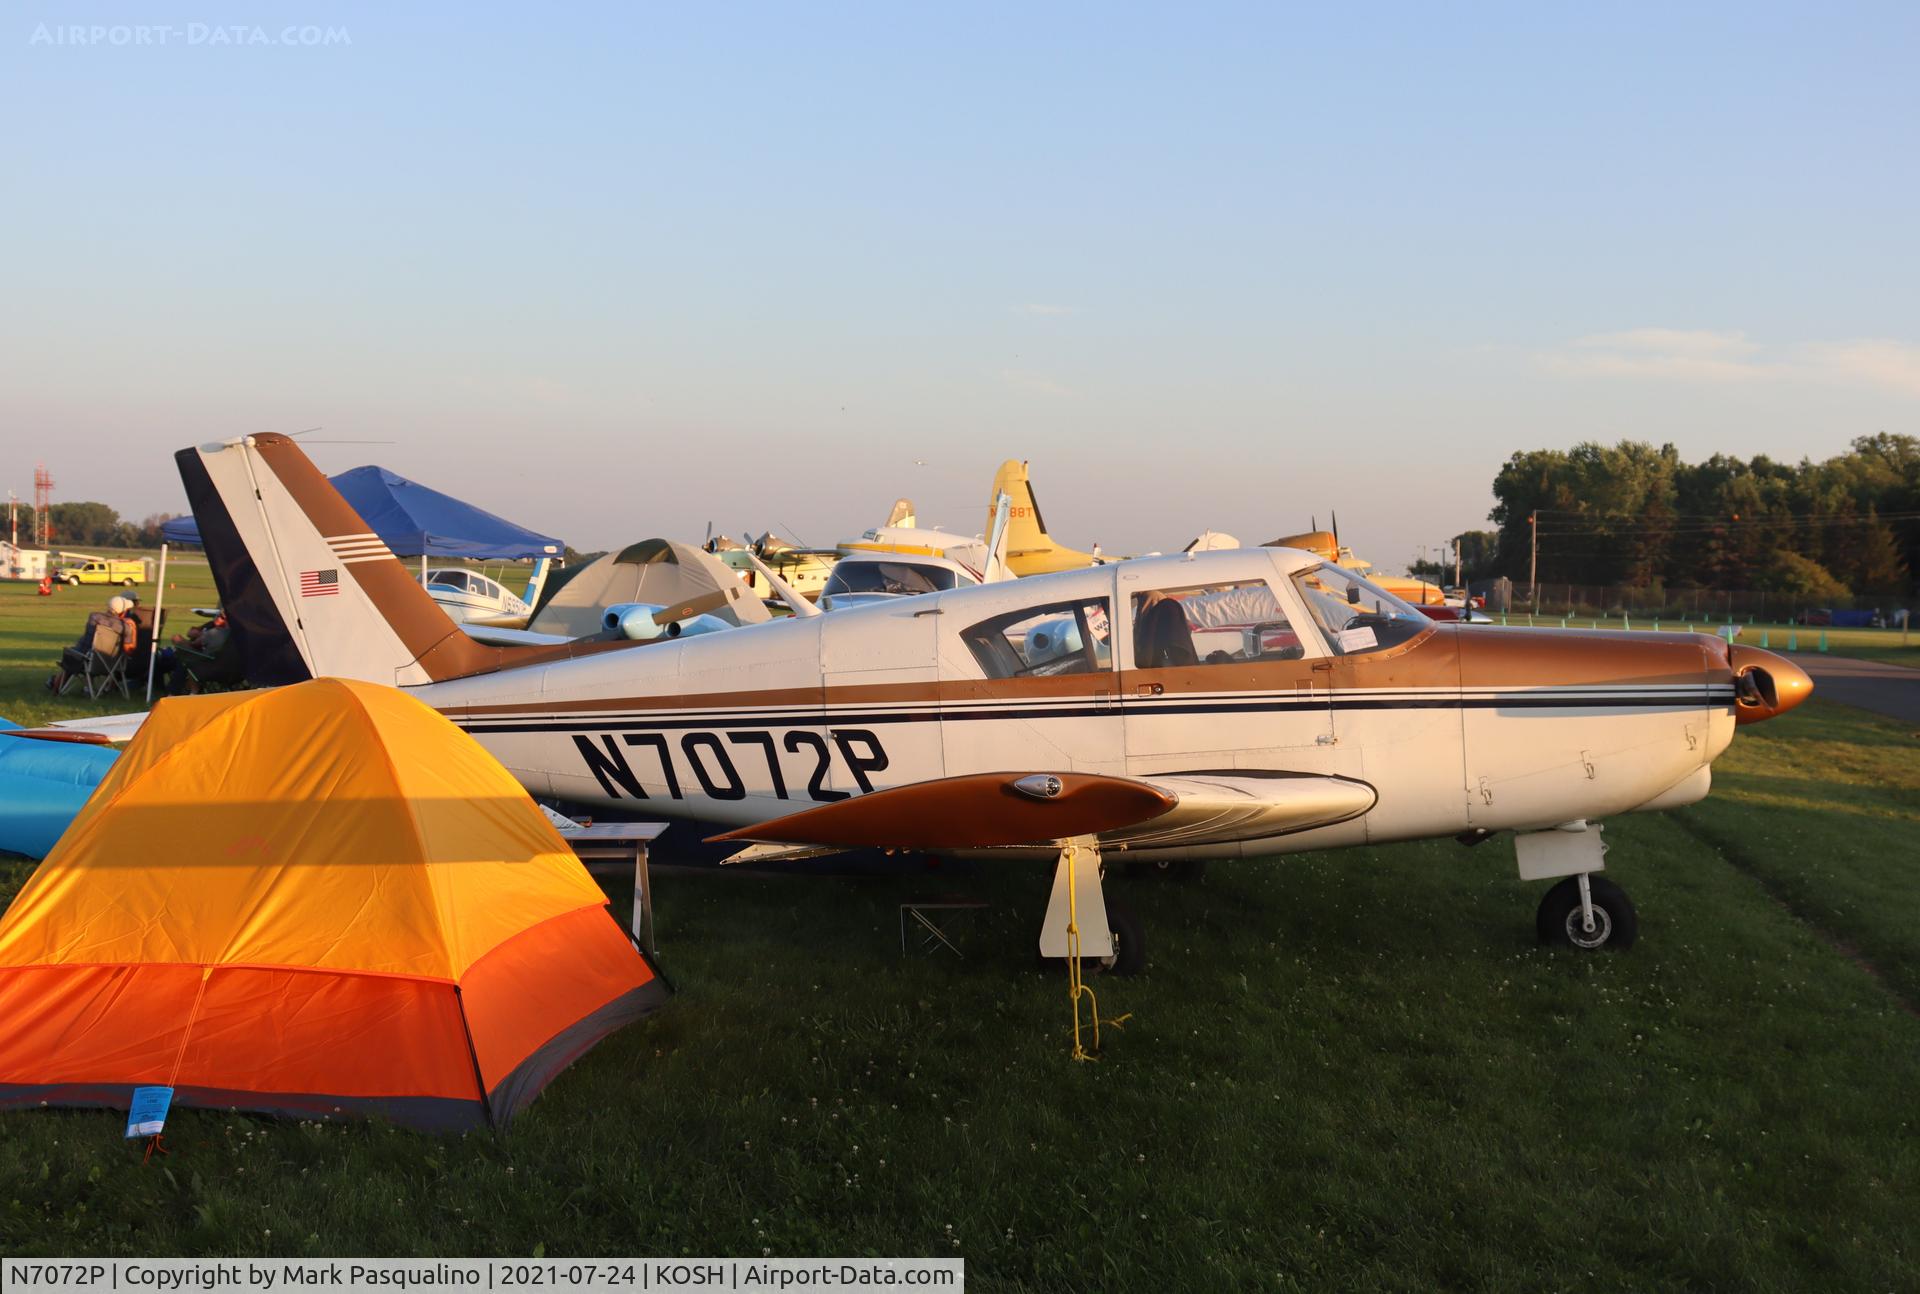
(900, 578)
(1355, 616)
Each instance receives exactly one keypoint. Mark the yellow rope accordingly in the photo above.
(1077, 987)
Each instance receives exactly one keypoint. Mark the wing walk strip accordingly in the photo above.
(1675, 697)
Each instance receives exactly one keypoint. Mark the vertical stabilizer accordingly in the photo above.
(1030, 549)
(311, 588)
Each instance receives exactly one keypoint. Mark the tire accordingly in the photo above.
(1616, 924)
(126, 584)
(73, 581)
(1129, 941)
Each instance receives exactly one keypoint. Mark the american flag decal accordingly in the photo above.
(319, 584)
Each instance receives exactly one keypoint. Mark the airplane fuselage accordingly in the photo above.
(1457, 729)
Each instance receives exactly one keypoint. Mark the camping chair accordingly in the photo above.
(224, 668)
(106, 661)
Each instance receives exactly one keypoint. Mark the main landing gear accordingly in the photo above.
(1106, 930)
(1082, 926)
(1583, 910)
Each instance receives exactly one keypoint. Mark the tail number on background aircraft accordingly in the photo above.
(709, 758)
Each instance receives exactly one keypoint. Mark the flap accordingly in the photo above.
(978, 811)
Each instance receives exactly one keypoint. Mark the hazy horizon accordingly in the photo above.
(634, 270)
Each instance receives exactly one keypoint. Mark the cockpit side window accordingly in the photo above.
(1211, 624)
(1354, 616)
(1061, 638)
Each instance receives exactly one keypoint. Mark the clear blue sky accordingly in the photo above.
(621, 270)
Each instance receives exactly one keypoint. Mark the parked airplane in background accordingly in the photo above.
(899, 560)
(1326, 544)
(1244, 703)
(805, 570)
(468, 595)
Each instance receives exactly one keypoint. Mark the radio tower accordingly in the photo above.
(42, 502)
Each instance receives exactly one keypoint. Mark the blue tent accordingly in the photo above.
(413, 521)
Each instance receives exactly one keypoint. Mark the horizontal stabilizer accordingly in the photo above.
(978, 811)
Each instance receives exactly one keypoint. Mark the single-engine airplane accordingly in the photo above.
(1240, 703)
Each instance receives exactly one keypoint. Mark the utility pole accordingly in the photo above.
(1533, 563)
(1456, 562)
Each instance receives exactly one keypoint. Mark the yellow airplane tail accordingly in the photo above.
(1030, 549)
(1319, 542)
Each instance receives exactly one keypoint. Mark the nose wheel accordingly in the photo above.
(1600, 917)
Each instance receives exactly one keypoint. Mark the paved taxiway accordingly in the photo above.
(1892, 690)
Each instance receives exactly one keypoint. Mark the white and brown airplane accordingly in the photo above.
(1242, 703)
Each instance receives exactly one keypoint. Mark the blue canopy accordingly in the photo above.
(414, 521)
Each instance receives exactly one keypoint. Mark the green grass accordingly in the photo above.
(1350, 1070)
(1822, 806)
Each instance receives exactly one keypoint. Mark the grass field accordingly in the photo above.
(33, 629)
(1350, 1070)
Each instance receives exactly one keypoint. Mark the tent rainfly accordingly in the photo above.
(319, 900)
(415, 520)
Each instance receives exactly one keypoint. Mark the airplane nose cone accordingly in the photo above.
(1765, 684)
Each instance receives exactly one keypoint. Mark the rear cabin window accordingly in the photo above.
(1213, 624)
(1064, 638)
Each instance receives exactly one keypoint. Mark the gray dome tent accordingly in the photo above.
(658, 571)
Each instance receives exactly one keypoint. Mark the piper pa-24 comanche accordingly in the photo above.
(1240, 703)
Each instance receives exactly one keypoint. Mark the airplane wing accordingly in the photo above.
(109, 729)
(499, 636)
(1000, 810)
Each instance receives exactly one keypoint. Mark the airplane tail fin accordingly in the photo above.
(903, 515)
(1030, 549)
(307, 586)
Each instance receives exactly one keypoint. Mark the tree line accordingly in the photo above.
(94, 525)
(1631, 514)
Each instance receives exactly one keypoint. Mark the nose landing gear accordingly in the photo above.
(1587, 912)
(1584, 909)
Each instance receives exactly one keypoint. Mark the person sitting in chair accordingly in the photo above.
(1162, 638)
(73, 660)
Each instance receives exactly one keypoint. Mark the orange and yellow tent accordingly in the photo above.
(324, 899)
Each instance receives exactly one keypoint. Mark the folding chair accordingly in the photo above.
(106, 663)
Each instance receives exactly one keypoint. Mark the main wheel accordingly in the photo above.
(1129, 941)
(1561, 922)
